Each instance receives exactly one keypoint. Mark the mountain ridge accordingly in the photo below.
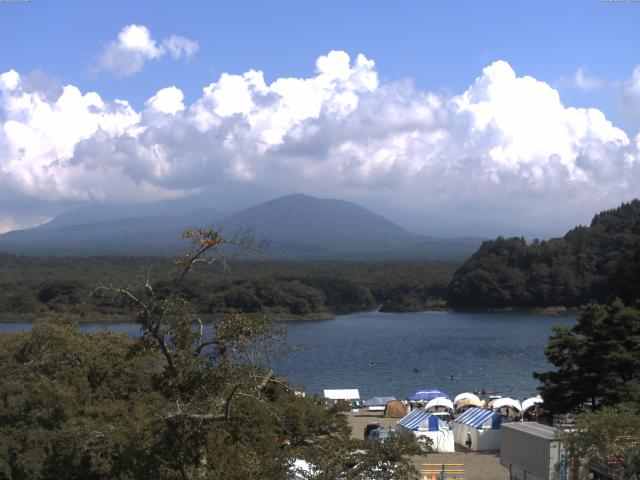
(298, 226)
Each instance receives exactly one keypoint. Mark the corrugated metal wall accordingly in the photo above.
(528, 452)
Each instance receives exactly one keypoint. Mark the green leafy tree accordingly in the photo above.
(76, 406)
(608, 438)
(182, 401)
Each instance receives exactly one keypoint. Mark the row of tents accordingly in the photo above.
(437, 401)
(477, 429)
(467, 420)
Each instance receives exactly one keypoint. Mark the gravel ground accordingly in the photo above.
(477, 466)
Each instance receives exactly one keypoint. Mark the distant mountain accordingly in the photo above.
(153, 235)
(297, 227)
(303, 227)
(106, 213)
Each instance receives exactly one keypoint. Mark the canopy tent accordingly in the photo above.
(419, 419)
(426, 395)
(426, 425)
(480, 418)
(395, 409)
(465, 403)
(531, 402)
(377, 403)
(465, 396)
(439, 403)
(506, 402)
(482, 426)
(342, 394)
(508, 407)
(529, 408)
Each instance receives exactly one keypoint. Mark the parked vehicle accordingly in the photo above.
(376, 432)
(370, 428)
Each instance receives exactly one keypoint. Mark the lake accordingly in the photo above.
(379, 353)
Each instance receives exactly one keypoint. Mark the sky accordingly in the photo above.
(450, 118)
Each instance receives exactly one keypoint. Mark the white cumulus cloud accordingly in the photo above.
(135, 46)
(584, 81)
(167, 100)
(506, 148)
(179, 46)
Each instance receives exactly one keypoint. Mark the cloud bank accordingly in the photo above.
(135, 46)
(505, 149)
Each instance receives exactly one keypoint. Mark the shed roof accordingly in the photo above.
(533, 428)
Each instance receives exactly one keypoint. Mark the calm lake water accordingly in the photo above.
(378, 352)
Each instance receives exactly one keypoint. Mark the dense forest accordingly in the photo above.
(32, 286)
(174, 403)
(594, 263)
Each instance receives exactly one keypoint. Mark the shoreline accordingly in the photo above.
(115, 318)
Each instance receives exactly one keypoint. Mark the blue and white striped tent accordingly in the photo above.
(478, 430)
(420, 419)
(479, 418)
(424, 424)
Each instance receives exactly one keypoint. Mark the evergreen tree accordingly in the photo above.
(597, 361)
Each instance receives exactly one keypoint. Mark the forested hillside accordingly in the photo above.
(594, 263)
(32, 286)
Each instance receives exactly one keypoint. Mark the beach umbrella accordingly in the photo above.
(465, 395)
(426, 395)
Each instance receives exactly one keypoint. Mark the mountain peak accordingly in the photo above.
(298, 226)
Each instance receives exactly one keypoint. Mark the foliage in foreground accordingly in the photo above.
(608, 438)
(597, 361)
(180, 402)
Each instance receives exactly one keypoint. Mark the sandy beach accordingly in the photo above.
(477, 466)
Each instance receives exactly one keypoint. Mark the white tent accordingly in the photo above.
(530, 408)
(506, 402)
(426, 425)
(508, 407)
(433, 405)
(342, 394)
(464, 395)
(482, 425)
(530, 402)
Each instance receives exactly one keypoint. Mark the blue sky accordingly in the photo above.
(440, 45)
(586, 51)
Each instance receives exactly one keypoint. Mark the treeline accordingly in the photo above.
(31, 286)
(589, 264)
